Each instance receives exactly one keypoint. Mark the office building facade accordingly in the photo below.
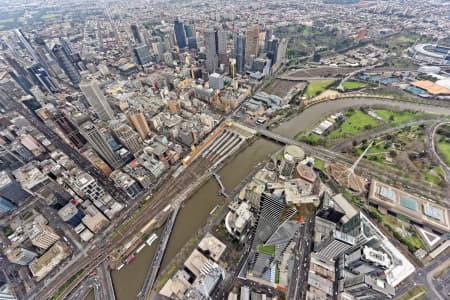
(64, 61)
(127, 136)
(142, 55)
(139, 122)
(251, 43)
(94, 96)
(11, 190)
(179, 33)
(69, 129)
(239, 52)
(96, 139)
(212, 60)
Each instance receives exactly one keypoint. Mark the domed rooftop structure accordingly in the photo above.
(296, 152)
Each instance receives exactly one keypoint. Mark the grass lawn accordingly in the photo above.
(50, 16)
(312, 139)
(319, 164)
(316, 87)
(444, 150)
(396, 116)
(8, 20)
(416, 291)
(352, 85)
(355, 122)
(269, 249)
(432, 178)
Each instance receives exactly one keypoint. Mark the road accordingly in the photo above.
(169, 190)
(431, 149)
(105, 277)
(100, 281)
(425, 277)
(82, 162)
(154, 267)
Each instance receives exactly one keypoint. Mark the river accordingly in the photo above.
(310, 115)
(129, 280)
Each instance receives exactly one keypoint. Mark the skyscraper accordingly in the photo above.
(211, 49)
(20, 256)
(158, 50)
(11, 190)
(127, 136)
(368, 287)
(267, 38)
(96, 99)
(99, 143)
(42, 79)
(64, 61)
(251, 45)
(136, 35)
(222, 36)
(142, 55)
(272, 50)
(179, 33)
(42, 236)
(5, 206)
(138, 121)
(239, 52)
(68, 128)
(27, 45)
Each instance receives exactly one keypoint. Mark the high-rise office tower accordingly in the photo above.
(5, 206)
(96, 99)
(336, 244)
(142, 55)
(69, 129)
(127, 136)
(158, 49)
(251, 43)
(272, 50)
(27, 45)
(368, 287)
(267, 38)
(42, 79)
(11, 190)
(136, 34)
(22, 81)
(64, 61)
(192, 42)
(99, 143)
(210, 36)
(138, 121)
(222, 36)
(42, 236)
(239, 52)
(188, 30)
(16, 66)
(179, 33)
(20, 256)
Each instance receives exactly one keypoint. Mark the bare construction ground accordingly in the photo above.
(282, 88)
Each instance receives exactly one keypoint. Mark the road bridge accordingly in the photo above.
(153, 270)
